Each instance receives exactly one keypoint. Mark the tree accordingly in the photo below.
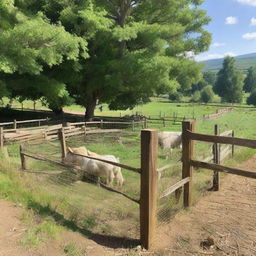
(29, 44)
(229, 84)
(251, 100)
(209, 77)
(207, 94)
(196, 97)
(137, 48)
(250, 80)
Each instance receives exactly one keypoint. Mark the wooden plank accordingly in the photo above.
(103, 131)
(221, 168)
(187, 154)
(222, 140)
(32, 121)
(174, 187)
(73, 133)
(165, 167)
(148, 193)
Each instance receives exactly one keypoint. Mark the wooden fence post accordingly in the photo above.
(1, 137)
(233, 146)
(164, 122)
(133, 126)
(62, 139)
(148, 192)
(101, 124)
(14, 124)
(187, 154)
(145, 123)
(84, 128)
(216, 160)
(23, 158)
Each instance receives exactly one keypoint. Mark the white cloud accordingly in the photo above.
(231, 20)
(253, 22)
(214, 56)
(248, 2)
(218, 44)
(249, 36)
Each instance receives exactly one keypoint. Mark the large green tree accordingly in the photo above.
(229, 84)
(250, 80)
(28, 45)
(137, 48)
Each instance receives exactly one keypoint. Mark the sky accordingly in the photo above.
(233, 28)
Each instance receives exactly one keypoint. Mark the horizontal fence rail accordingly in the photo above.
(222, 140)
(221, 168)
(174, 187)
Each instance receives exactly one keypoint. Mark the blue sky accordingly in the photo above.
(233, 27)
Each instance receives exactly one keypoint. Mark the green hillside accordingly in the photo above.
(243, 62)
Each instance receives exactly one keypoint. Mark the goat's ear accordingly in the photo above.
(70, 150)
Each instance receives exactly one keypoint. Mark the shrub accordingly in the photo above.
(207, 94)
(251, 100)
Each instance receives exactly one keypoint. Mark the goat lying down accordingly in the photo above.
(170, 140)
(95, 167)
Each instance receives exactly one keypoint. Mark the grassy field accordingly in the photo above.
(158, 107)
(90, 209)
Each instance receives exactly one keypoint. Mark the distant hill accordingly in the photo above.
(243, 62)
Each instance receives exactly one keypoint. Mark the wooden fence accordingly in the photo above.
(8, 136)
(15, 123)
(147, 170)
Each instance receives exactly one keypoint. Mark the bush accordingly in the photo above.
(207, 94)
(251, 100)
(175, 97)
(196, 97)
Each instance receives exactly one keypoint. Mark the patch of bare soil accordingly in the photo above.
(12, 230)
(222, 223)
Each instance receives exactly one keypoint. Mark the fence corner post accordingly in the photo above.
(216, 160)
(187, 155)
(62, 139)
(148, 193)
(23, 159)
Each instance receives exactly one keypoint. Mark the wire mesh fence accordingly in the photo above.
(78, 198)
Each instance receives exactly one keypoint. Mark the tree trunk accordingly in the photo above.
(57, 111)
(90, 107)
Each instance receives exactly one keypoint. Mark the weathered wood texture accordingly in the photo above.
(62, 139)
(222, 140)
(221, 168)
(216, 160)
(187, 154)
(174, 187)
(148, 193)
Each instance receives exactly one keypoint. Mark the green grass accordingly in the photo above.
(90, 209)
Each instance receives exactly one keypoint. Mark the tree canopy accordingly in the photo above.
(250, 80)
(229, 84)
(119, 52)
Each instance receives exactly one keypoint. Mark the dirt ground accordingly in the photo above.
(221, 223)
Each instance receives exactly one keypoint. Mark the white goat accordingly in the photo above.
(95, 167)
(170, 140)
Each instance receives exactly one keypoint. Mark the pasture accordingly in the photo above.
(93, 210)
